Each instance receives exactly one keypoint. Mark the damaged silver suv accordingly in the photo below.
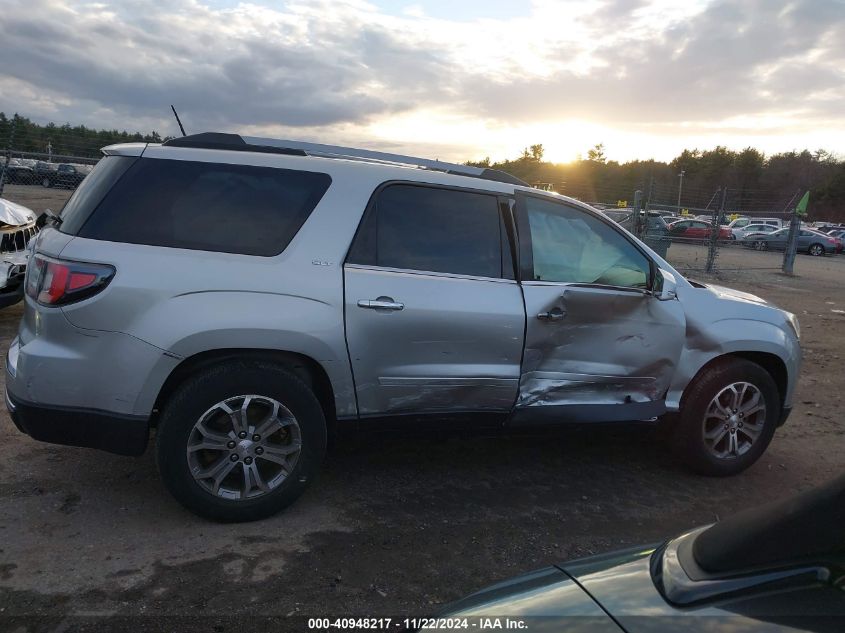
(248, 298)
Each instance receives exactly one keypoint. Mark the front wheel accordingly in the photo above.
(45, 182)
(240, 441)
(760, 245)
(816, 249)
(728, 417)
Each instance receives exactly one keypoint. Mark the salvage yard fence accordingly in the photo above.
(703, 242)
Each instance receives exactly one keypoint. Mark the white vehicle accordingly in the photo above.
(740, 223)
(17, 227)
(740, 233)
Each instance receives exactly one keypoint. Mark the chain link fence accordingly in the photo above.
(723, 230)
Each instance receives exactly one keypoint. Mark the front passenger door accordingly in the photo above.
(599, 346)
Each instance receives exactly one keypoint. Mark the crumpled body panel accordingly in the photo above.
(607, 346)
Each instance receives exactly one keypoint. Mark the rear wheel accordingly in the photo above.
(240, 441)
(816, 250)
(760, 245)
(45, 182)
(728, 417)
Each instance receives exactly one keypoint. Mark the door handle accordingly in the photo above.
(382, 303)
(553, 315)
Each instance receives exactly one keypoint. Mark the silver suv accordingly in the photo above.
(248, 298)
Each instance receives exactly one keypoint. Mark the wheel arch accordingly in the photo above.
(304, 367)
(771, 363)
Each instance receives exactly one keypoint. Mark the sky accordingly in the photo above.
(447, 79)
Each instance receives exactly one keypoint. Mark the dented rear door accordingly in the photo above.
(434, 314)
(599, 346)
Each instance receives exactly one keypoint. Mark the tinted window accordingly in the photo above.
(88, 195)
(569, 245)
(428, 229)
(207, 206)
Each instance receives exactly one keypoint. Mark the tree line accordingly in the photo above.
(63, 140)
(745, 181)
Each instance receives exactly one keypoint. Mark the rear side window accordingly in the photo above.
(207, 206)
(429, 229)
(88, 195)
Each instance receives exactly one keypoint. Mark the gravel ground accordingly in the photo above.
(395, 525)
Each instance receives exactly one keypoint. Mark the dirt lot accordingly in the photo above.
(394, 525)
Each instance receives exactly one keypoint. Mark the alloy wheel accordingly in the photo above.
(244, 447)
(734, 420)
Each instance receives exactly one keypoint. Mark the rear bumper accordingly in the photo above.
(121, 434)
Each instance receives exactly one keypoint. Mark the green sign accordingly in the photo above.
(801, 207)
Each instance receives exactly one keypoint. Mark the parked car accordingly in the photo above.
(696, 230)
(70, 176)
(742, 222)
(740, 233)
(17, 173)
(44, 173)
(829, 228)
(17, 228)
(63, 175)
(247, 297)
(809, 241)
(778, 568)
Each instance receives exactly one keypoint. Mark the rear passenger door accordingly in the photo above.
(434, 315)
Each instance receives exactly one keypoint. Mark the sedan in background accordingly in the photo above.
(775, 568)
(739, 233)
(809, 241)
(696, 230)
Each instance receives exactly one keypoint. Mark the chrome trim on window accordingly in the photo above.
(427, 273)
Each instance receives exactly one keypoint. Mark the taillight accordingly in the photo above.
(54, 282)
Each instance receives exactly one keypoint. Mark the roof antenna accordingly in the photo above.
(177, 120)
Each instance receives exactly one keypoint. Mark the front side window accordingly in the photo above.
(429, 229)
(569, 245)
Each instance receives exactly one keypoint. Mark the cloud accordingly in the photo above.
(344, 66)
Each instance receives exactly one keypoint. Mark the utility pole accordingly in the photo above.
(49, 151)
(680, 188)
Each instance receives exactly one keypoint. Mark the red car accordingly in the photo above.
(697, 230)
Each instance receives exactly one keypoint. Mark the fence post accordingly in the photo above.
(8, 153)
(638, 224)
(714, 233)
(791, 243)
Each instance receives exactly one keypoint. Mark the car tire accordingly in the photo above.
(760, 245)
(696, 422)
(816, 250)
(45, 182)
(203, 400)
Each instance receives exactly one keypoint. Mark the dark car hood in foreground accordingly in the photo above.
(545, 601)
(578, 596)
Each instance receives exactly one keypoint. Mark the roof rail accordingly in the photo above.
(217, 140)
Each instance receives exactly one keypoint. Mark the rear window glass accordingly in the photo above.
(207, 206)
(90, 192)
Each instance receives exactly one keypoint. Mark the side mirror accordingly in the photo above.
(665, 286)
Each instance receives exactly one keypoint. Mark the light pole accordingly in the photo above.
(680, 188)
